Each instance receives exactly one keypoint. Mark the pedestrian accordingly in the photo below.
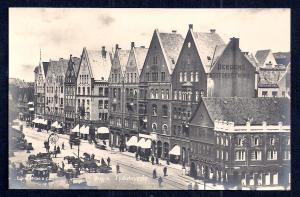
(58, 150)
(157, 162)
(108, 161)
(160, 180)
(152, 160)
(63, 146)
(55, 153)
(54, 148)
(137, 156)
(165, 171)
(63, 165)
(183, 165)
(102, 161)
(168, 161)
(196, 186)
(118, 168)
(154, 173)
(71, 144)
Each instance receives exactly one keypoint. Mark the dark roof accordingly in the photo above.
(239, 110)
(283, 58)
(36, 69)
(261, 55)
(45, 67)
(140, 55)
(59, 67)
(171, 44)
(76, 62)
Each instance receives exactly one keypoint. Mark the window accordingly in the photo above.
(180, 76)
(88, 91)
(156, 93)
(83, 90)
(196, 77)
(226, 156)
(189, 44)
(154, 110)
(162, 94)
(131, 77)
(135, 78)
(165, 110)
(154, 127)
(179, 95)
(165, 128)
(197, 96)
(152, 93)
(255, 141)
(189, 59)
(272, 155)
(106, 92)
(283, 93)
(106, 104)
(100, 104)
(167, 94)
(217, 154)
(154, 76)
(126, 122)
(286, 155)
(274, 93)
(287, 141)
(192, 76)
(155, 60)
(175, 94)
(264, 93)
(163, 76)
(239, 142)
(240, 155)
(78, 90)
(61, 89)
(272, 141)
(148, 76)
(185, 77)
(61, 101)
(256, 155)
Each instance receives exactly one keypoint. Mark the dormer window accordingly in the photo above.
(173, 61)
(208, 58)
(189, 44)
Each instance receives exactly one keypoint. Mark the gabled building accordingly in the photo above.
(206, 67)
(70, 92)
(265, 58)
(54, 107)
(117, 96)
(156, 91)
(40, 73)
(282, 58)
(92, 87)
(284, 83)
(132, 72)
(241, 141)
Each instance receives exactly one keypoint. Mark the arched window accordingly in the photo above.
(162, 94)
(154, 110)
(175, 94)
(197, 77)
(192, 76)
(156, 93)
(165, 128)
(167, 94)
(152, 93)
(185, 76)
(180, 76)
(154, 127)
(197, 96)
(179, 95)
(165, 110)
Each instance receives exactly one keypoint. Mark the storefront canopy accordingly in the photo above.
(84, 129)
(75, 129)
(54, 124)
(58, 126)
(35, 120)
(175, 150)
(31, 109)
(30, 103)
(147, 144)
(142, 141)
(102, 130)
(132, 141)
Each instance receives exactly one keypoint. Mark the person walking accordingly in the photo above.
(165, 171)
(63, 146)
(157, 162)
(108, 161)
(152, 160)
(118, 168)
(63, 165)
(58, 150)
(196, 186)
(154, 173)
(160, 180)
(137, 156)
(71, 144)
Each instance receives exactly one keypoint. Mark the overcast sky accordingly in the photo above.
(61, 32)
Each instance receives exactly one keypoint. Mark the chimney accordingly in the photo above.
(132, 44)
(103, 52)
(235, 42)
(174, 31)
(191, 26)
(212, 31)
(117, 46)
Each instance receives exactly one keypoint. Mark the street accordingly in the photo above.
(134, 174)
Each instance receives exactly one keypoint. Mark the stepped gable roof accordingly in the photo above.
(100, 66)
(207, 44)
(261, 55)
(241, 109)
(140, 55)
(171, 44)
(283, 58)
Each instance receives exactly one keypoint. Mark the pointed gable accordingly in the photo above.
(140, 56)
(99, 64)
(123, 55)
(206, 44)
(171, 44)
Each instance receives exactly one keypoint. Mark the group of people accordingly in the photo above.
(160, 180)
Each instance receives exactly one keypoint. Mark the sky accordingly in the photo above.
(59, 32)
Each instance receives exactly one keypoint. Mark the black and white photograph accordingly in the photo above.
(149, 99)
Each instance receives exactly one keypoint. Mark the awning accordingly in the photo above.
(58, 126)
(30, 103)
(31, 109)
(35, 120)
(84, 130)
(147, 144)
(75, 129)
(45, 122)
(132, 141)
(175, 150)
(102, 130)
(54, 124)
(142, 141)
(40, 121)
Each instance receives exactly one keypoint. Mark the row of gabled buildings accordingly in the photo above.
(177, 100)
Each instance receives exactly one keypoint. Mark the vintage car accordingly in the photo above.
(77, 183)
(40, 174)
